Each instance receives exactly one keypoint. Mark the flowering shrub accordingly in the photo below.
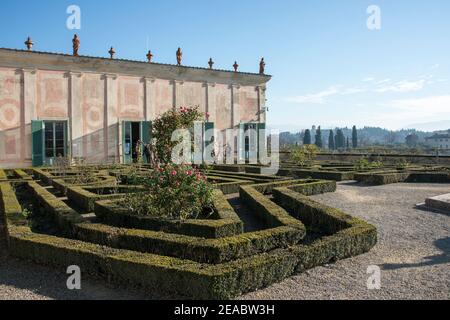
(173, 191)
(165, 125)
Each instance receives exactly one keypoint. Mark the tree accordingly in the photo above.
(331, 144)
(307, 137)
(340, 139)
(412, 140)
(304, 155)
(348, 144)
(319, 142)
(354, 137)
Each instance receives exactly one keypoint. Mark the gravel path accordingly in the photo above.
(413, 249)
(413, 252)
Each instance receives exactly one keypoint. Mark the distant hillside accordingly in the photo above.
(431, 126)
(367, 136)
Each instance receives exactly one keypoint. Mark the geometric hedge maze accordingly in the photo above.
(263, 230)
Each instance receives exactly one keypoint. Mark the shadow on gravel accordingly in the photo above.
(441, 244)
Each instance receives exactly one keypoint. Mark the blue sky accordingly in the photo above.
(329, 69)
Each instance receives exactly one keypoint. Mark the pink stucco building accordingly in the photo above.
(95, 108)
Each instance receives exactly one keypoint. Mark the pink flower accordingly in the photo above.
(189, 172)
(174, 173)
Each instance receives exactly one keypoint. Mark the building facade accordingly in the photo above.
(439, 140)
(96, 108)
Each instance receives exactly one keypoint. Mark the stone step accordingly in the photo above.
(441, 203)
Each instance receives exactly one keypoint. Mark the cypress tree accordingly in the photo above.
(319, 142)
(340, 139)
(307, 137)
(354, 138)
(331, 144)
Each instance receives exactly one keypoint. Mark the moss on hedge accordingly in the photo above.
(85, 197)
(225, 224)
(186, 247)
(381, 178)
(253, 263)
(268, 212)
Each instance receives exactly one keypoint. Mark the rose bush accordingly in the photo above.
(165, 125)
(172, 191)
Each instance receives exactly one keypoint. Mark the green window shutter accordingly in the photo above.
(146, 132)
(37, 146)
(126, 142)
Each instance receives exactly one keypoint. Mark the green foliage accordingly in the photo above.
(354, 137)
(401, 163)
(177, 192)
(165, 125)
(331, 144)
(319, 142)
(339, 139)
(307, 137)
(364, 164)
(304, 155)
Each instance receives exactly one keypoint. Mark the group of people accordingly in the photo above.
(142, 149)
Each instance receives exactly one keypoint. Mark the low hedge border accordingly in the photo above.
(197, 249)
(22, 175)
(381, 178)
(212, 251)
(228, 185)
(317, 174)
(64, 183)
(429, 177)
(317, 215)
(186, 278)
(269, 212)
(224, 223)
(63, 216)
(85, 197)
(307, 187)
(3, 176)
(256, 178)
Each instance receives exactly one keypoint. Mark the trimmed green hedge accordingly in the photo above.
(239, 264)
(3, 176)
(62, 184)
(429, 177)
(63, 216)
(85, 197)
(268, 212)
(381, 178)
(213, 251)
(184, 278)
(224, 222)
(317, 174)
(228, 185)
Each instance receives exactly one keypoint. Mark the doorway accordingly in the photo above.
(132, 133)
(55, 141)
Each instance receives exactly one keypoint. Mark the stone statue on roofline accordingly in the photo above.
(76, 45)
(262, 66)
(179, 56)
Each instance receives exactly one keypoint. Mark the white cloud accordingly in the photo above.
(402, 86)
(316, 98)
(427, 106)
(369, 84)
